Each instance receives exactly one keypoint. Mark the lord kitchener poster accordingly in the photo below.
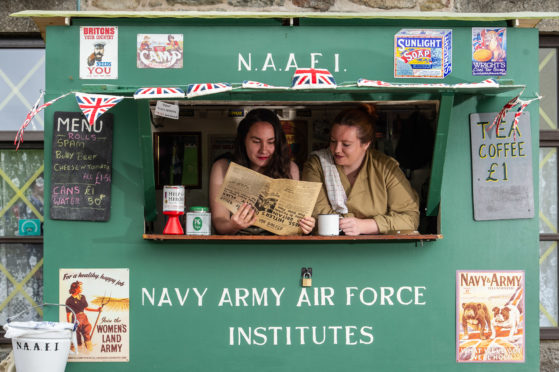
(98, 301)
(490, 316)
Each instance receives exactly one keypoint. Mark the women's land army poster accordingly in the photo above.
(490, 316)
(98, 300)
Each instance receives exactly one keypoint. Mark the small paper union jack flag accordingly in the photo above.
(195, 90)
(501, 115)
(31, 114)
(484, 84)
(258, 85)
(95, 105)
(159, 93)
(309, 78)
(373, 83)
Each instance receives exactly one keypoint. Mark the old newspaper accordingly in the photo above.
(279, 203)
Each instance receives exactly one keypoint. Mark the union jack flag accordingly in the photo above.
(195, 90)
(516, 298)
(308, 78)
(373, 83)
(159, 93)
(95, 105)
(258, 85)
(479, 40)
(509, 105)
(485, 83)
(520, 110)
(501, 115)
(31, 114)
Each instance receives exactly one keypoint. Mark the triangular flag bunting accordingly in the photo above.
(501, 115)
(31, 114)
(312, 78)
(488, 83)
(95, 105)
(373, 83)
(195, 90)
(159, 93)
(520, 110)
(258, 85)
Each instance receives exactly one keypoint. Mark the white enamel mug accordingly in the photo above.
(328, 224)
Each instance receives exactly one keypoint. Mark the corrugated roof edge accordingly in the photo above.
(329, 15)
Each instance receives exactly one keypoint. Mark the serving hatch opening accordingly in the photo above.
(184, 149)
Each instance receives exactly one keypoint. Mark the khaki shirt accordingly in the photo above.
(381, 191)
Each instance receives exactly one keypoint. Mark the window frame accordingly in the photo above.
(550, 138)
(33, 139)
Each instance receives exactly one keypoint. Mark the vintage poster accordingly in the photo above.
(490, 316)
(422, 53)
(159, 50)
(99, 298)
(489, 51)
(279, 203)
(98, 52)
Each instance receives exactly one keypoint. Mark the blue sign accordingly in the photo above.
(29, 227)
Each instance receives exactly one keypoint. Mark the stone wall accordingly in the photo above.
(24, 25)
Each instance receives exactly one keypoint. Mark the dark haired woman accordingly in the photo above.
(261, 146)
(79, 305)
(365, 186)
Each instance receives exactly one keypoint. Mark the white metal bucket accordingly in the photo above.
(48, 352)
(41, 346)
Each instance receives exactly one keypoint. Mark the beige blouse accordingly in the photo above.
(380, 191)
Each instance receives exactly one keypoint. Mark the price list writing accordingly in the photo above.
(81, 167)
(501, 167)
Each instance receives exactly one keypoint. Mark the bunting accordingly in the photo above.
(195, 90)
(31, 114)
(95, 105)
(257, 85)
(373, 83)
(158, 93)
(312, 78)
(506, 108)
(520, 110)
(501, 115)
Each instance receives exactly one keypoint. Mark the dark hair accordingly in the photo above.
(363, 117)
(74, 286)
(279, 165)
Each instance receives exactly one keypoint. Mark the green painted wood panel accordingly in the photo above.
(189, 337)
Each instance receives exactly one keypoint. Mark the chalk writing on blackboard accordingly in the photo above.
(501, 167)
(81, 167)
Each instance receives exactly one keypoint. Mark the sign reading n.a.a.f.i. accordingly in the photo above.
(501, 167)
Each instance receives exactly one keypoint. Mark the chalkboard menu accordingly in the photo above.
(81, 167)
(502, 167)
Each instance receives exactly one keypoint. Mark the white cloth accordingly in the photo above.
(46, 329)
(332, 183)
